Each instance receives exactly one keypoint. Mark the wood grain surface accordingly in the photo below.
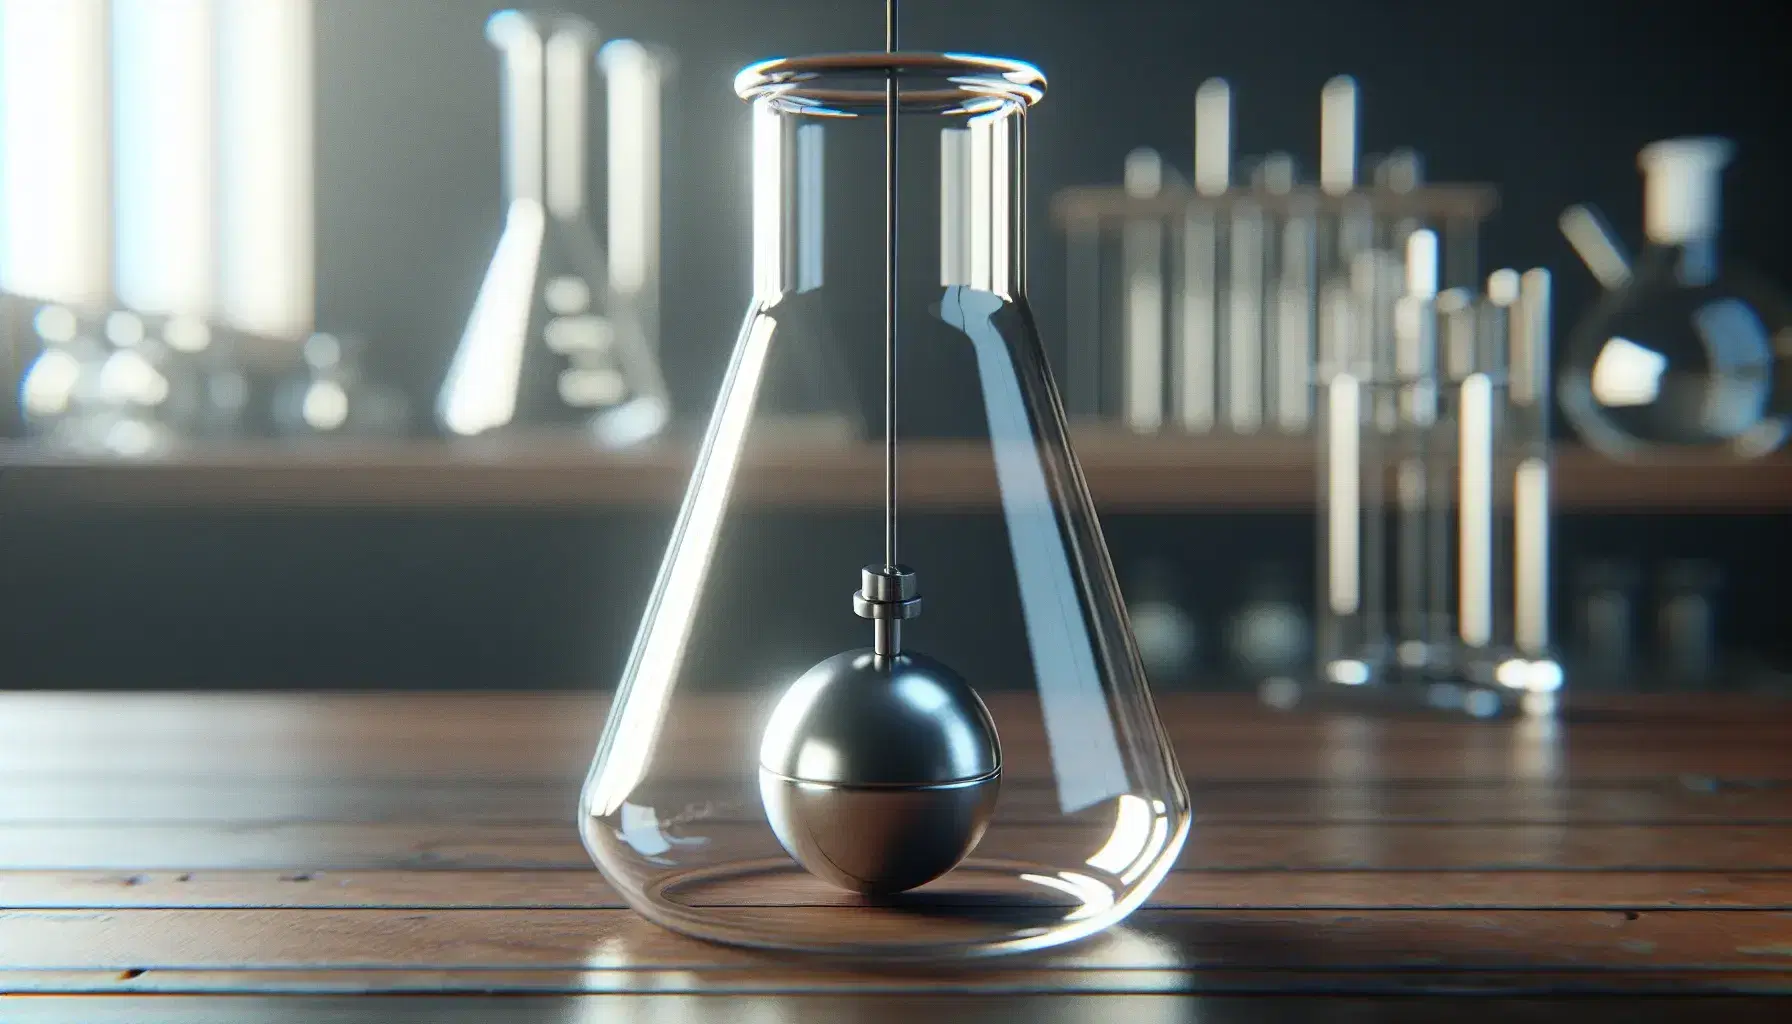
(251, 856)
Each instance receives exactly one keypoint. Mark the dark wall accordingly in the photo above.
(1548, 100)
(123, 599)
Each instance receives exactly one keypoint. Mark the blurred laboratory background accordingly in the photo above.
(306, 398)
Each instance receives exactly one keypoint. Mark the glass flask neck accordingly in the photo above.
(1696, 262)
(1682, 193)
(547, 77)
(973, 235)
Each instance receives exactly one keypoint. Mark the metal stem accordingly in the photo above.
(890, 203)
(886, 637)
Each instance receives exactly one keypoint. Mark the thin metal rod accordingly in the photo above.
(890, 115)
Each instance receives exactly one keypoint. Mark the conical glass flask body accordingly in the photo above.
(753, 723)
(549, 343)
(1689, 351)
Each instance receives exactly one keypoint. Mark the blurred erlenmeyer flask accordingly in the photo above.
(1685, 350)
(548, 344)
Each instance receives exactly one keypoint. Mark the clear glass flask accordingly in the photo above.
(1090, 811)
(549, 345)
(1686, 350)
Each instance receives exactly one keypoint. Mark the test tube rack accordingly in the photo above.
(1204, 306)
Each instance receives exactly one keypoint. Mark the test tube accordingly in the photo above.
(1274, 176)
(1295, 325)
(1240, 305)
(1457, 329)
(1197, 348)
(1415, 397)
(1352, 613)
(1481, 623)
(1340, 237)
(1142, 323)
(1529, 414)
(1243, 350)
(1338, 136)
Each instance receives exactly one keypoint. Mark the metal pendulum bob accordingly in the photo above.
(879, 769)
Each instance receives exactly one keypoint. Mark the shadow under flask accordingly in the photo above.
(769, 775)
(1684, 351)
(550, 345)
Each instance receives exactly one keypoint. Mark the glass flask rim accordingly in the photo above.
(1079, 924)
(853, 84)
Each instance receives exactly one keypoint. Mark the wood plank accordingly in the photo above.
(130, 799)
(251, 844)
(329, 845)
(262, 737)
(876, 1009)
(1438, 990)
(1638, 757)
(582, 940)
(45, 717)
(580, 889)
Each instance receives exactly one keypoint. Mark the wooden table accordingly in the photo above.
(247, 857)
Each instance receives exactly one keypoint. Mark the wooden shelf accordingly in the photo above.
(1086, 204)
(1126, 474)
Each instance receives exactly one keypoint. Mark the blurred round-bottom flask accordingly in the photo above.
(1687, 351)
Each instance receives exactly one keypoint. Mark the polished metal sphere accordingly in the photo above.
(879, 774)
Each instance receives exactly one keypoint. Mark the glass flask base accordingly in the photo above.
(713, 871)
(984, 907)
